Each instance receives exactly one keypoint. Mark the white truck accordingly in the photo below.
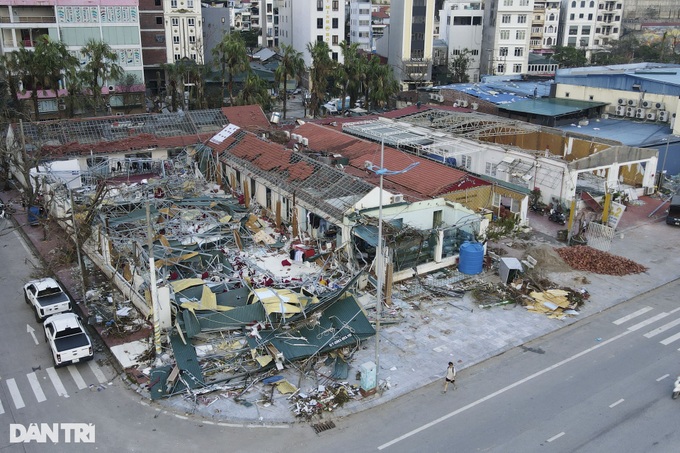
(47, 298)
(68, 339)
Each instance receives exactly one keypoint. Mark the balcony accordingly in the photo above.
(28, 20)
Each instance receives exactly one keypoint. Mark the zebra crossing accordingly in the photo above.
(638, 323)
(40, 385)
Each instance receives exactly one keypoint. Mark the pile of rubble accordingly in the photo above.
(586, 258)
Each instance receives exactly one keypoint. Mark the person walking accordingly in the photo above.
(450, 377)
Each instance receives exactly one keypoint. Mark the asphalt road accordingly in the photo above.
(602, 384)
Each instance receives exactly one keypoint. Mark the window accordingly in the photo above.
(572, 16)
(319, 5)
(319, 38)
(490, 169)
(175, 39)
(523, 2)
(503, 51)
(517, 68)
(519, 51)
(157, 2)
(334, 5)
(505, 34)
(505, 19)
(581, 16)
(583, 4)
(500, 69)
(522, 19)
(319, 22)
(193, 56)
(551, 17)
(192, 39)
(477, 20)
(191, 22)
(335, 22)
(466, 162)
(190, 3)
(175, 22)
(592, 4)
(573, 4)
(173, 3)
(520, 34)
(615, 30)
(334, 56)
(573, 30)
(335, 40)
(590, 16)
(507, 2)
(585, 30)
(159, 20)
(178, 57)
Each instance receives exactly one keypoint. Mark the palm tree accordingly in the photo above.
(55, 61)
(322, 68)
(383, 85)
(231, 55)
(12, 71)
(291, 65)
(101, 67)
(255, 91)
(174, 81)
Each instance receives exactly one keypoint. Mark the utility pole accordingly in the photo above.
(152, 282)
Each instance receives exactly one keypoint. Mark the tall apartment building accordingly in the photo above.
(506, 36)
(183, 30)
(591, 25)
(75, 22)
(460, 25)
(304, 21)
(360, 26)
(407, 43)
(545, 26)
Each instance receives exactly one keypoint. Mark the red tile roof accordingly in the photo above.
(427, 180)
(248, 117)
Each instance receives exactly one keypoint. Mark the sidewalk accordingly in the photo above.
(415, 351)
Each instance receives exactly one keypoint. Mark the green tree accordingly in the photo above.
(383, 86)
(570, 57)
(459, 65)
(320, 72)
(231, 56)
(174, 83)
(101, 67)
(12, 71)
(55, 61)
(255, 91)
(292, 65)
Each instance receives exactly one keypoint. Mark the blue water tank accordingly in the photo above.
(471, 259)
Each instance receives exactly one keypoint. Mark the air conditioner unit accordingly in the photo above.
(474, 106)
(120, 113)
(647, 104)
(62, 106)
(440, 98)
(397, 198)
(640, 111)
(621, 110)
(641, 115)
(660, 106)
(630, 113)
(605, 116)
(287, 134)
(434, 96)
(463, 103)
(632, 102)
(300, 138)
(112, 88)
(295, 137)
(305, 141)
(651, 116)
(663, 115)
(622, 101)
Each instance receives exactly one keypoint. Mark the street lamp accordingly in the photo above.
(381, 171)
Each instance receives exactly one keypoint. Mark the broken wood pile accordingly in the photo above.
(586, 258)
(324, 398)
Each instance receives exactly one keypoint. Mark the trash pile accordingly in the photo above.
(586, 258)
(324, 398)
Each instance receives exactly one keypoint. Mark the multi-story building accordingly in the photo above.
(263, 16)
(460, 26)
(216, 23)
(591, 25)
(407, 43)
(75, 22)
(360, 27)
(545, 26)
(304, 21)
(183, 30)
(506, 36)
(637, 12)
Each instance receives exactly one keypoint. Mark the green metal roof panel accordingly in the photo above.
(550, 107)
(187, 361)
(232, 319)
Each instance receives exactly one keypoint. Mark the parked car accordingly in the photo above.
(47, 298)
(68, 339)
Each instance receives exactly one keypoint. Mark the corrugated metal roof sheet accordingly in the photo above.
(551, 106)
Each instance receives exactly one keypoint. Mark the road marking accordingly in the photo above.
(661, 329)
(2, 409)
(23, 244)
(670, 339)
(501, 391)
(97, 371)
(616, 403)
(56, 382)
(35, 385)
(663, 377)
(75, 374)
(647, 322)
(14, 392)
(556, 436)
(641, 311)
